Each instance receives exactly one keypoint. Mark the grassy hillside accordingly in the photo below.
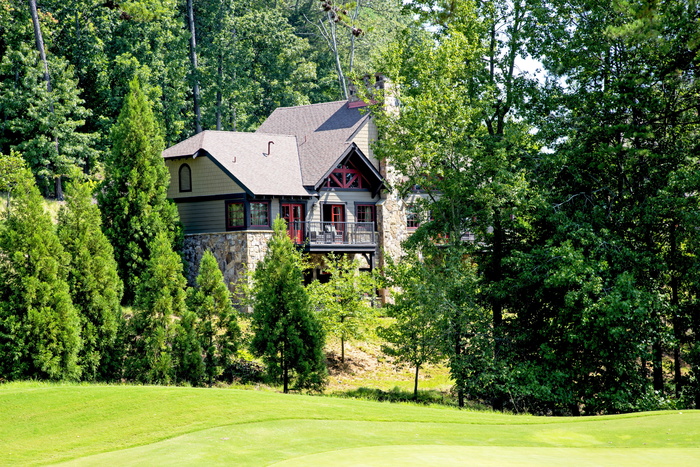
(124, 425)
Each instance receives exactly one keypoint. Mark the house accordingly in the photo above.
(313, 165)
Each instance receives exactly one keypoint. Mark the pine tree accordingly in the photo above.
(133, 198)
(39, 326)
(286, 334)
(94, 283)
(160, 300)
(217, 328)
(188, 363)
(12, 169)
(52, 142)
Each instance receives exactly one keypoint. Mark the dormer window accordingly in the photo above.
(346, 176)
(185, 178)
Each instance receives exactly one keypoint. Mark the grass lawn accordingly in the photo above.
(146, 425)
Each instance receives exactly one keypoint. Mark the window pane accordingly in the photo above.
(185, 178)
(365, 213)
(236, 215)
(412, 218)
(258, 214)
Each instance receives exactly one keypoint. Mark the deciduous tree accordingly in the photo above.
(345, 303)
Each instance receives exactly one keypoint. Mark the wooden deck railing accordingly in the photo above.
(333, 233)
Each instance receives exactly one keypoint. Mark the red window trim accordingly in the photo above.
(411, 210)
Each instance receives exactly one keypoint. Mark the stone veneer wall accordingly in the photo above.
(235, 252)
(391, 219)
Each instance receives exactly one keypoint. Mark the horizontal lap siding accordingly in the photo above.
(349, 198)
(203, 216)
(363, 139)
(207, 178)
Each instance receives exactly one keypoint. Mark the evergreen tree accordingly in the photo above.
(188, 364)
(133, 197)
(217, 329)
(39, 326)
(46, 126)
(92, 275)
(160, 300)
(285, 332)
(12, 169)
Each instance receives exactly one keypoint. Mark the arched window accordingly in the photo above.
(185, 178)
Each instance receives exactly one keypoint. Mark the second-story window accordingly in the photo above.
(364, 215)
(412, 216)
(185, 175)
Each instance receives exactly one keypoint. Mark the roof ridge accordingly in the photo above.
(310, 105)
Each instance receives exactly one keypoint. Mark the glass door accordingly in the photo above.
(334, 221)
(293, 214)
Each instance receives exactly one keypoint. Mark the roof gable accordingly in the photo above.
(244, 157)
(360, 161)
(323, 131)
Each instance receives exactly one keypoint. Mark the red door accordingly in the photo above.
(334, 219)
(293, 213)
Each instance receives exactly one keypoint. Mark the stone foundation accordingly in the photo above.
(236, 252)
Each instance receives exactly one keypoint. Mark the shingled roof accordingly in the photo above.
(244, 157)
(323, 131)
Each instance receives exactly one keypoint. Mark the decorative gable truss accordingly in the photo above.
(352, 171)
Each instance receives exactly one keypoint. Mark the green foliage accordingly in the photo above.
(622, 182)
(133, 197)
(95, 286)
(45, 126)
(251, 62)
(160, 301)
(415, 336)
(216, 327)
(12, 169)
(458, 138)
(397, 395)
(39, 326)
(187, 351)
(344, 304)
(286, 334)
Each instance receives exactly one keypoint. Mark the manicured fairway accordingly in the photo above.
(129, 425)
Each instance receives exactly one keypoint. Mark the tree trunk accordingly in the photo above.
(415, 384)
(285, 370)
(195, 74)
(336, 53)
(676, 321)
(220, 80)
(458, 353)
(657, 371)
(39, 40)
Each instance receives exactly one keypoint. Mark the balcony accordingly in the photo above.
(322, 237)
